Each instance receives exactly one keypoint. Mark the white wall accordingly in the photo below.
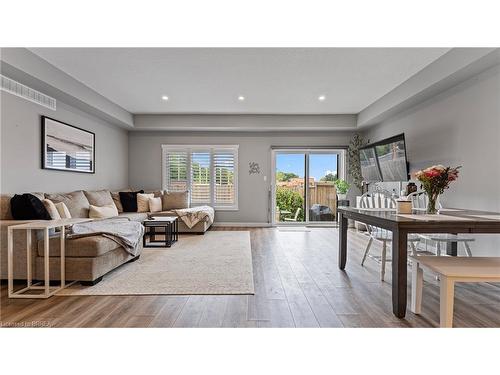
(21, 144)
(458, 127)
(145, 162)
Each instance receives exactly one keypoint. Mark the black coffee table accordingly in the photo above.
(170, 232)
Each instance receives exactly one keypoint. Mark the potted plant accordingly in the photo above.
(342, 188)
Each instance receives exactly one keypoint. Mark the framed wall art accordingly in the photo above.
(66, 147)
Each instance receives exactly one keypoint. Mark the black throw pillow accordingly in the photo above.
(28, 207)
(129, 200)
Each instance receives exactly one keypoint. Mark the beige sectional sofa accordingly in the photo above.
(88, 258)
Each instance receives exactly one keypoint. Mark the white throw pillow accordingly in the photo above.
(63, 210)
(51, 209)
(155, 204)
(96, 212)
(143, 202)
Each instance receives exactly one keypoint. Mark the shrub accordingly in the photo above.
(289, 200)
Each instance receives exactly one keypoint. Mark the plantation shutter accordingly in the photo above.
(176, 167)
(224, 161)
(200, 177)
(209, 173)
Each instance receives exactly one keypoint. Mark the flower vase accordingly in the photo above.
(431, 205)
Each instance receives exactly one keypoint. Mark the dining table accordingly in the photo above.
(452, 220)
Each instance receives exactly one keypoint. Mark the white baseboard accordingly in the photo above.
(234, 224)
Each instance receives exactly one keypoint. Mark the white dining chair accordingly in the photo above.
(295, 218)
(419, 201)
(383, 202)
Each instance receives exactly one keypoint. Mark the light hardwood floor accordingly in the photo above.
(297, 284)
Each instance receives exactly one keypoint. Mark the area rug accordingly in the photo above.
(218, 262)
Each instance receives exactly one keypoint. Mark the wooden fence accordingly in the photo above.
(322, 193)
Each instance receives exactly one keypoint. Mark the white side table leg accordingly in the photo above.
(447, 295)
(10, 260)
(29, 271)
(46, 262)
(417, 283)
(63, 257)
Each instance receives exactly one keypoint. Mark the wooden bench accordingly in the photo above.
(450, 271)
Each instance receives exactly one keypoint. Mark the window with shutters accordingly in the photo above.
(209, 173)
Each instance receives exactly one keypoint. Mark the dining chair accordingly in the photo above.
(295, 218)
(419, 201)
(384, 202)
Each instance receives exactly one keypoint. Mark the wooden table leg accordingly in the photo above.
(342, 241)
(399, 282)
(446, 297)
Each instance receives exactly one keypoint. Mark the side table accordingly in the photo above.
(44, 225)
(170, 225)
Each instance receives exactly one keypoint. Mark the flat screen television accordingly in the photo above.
(385, 160)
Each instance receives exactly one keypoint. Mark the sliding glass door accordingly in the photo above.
(289, 187)
(322, 195)
(303, 185)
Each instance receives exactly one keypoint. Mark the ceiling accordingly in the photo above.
(272, 80)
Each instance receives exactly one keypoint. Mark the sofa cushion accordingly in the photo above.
(116, 199)
(155, 204)
(103, 212)
(135, 216)
(143, 202)
(99, 197)
(175, 200)
(5, 213)
(129, 200)
(77, 202)
(51, 209)
(63, 210)
(92, 246)
(28, 207)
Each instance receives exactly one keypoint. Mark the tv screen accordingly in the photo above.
(369, 166)
(385, 160)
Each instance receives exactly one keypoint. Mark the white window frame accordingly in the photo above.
(193, 148)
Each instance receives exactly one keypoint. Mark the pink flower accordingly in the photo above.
(432, 173)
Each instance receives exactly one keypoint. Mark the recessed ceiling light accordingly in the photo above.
(321, 98)
(241, 98)
(164, 97)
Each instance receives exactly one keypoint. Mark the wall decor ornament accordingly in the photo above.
(66, 147)
(253, 168)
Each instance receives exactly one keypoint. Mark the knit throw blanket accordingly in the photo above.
(192, 216)
(126, 233)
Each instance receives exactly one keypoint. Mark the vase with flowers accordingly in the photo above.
(435, 180)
